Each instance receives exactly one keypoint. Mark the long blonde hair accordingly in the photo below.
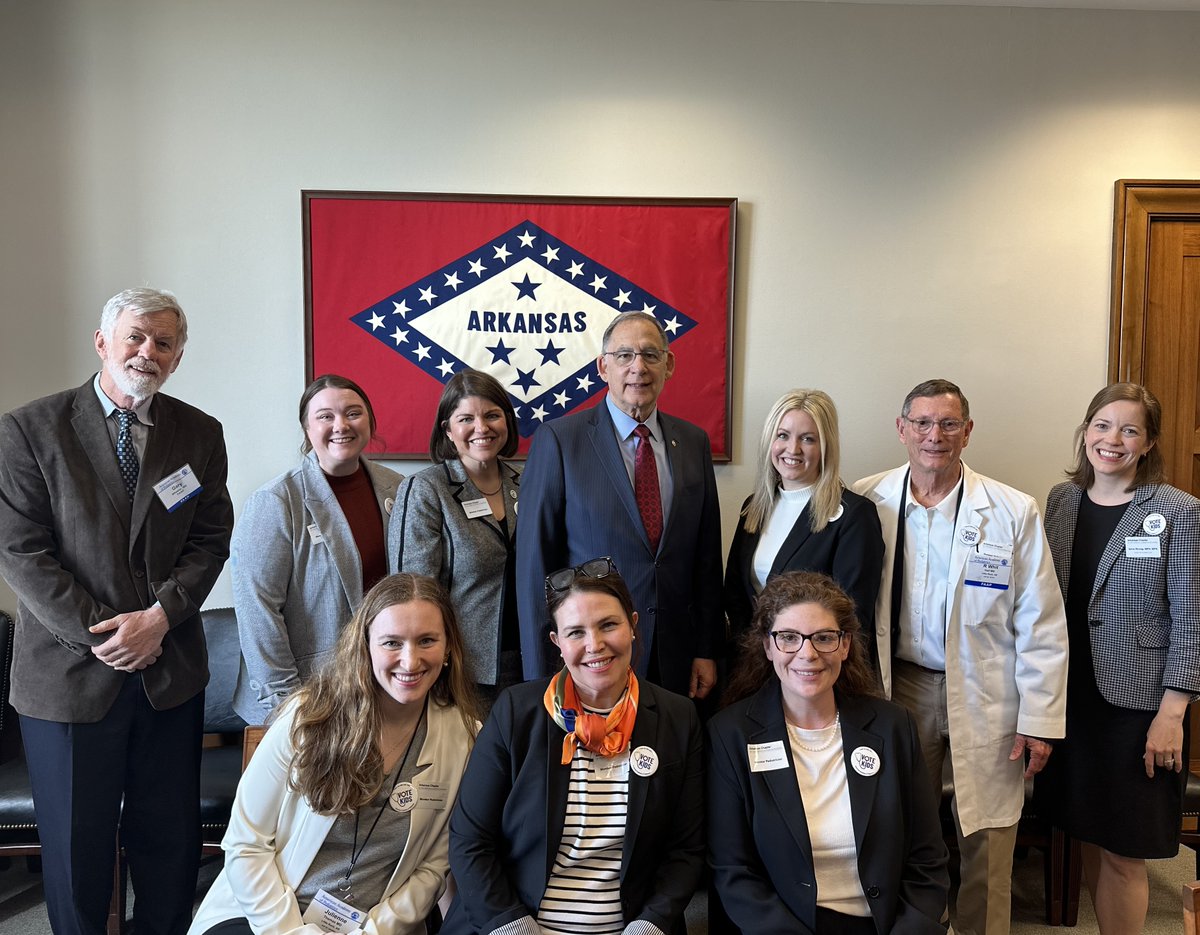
(337, 764)
(827, 492)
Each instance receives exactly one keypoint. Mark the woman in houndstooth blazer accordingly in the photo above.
(1127, 553)
(456, 521)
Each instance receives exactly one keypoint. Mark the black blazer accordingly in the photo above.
(759, 847)
(508, 821)
(849, 549)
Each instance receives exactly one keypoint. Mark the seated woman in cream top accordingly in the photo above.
(340, 823)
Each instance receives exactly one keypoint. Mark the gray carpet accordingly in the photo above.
(22, 911)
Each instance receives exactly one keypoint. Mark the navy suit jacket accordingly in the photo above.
(577, 503)
(759, 845)
(508, 821)
(849, 549)
(76, 551)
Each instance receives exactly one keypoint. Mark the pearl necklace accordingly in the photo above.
(833, 735)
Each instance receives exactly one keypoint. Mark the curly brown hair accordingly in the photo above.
(753, 669)
(337, 765)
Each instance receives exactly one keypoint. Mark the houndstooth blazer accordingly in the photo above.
(1144, 612)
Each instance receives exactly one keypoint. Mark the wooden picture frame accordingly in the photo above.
(403, 289)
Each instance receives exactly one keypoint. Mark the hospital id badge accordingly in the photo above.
(330, 914)
(989, 571)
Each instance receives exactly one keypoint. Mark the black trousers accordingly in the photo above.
(81, 774)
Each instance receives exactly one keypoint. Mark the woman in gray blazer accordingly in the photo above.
(307, 546)
(456, 521)
(1127, 552)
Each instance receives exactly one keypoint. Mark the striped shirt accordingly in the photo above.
(583, 894)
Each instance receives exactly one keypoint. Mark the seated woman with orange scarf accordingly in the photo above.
(582, 807)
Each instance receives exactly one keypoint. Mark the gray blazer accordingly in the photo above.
(1144, 613)
(76, 551)
(430, 534)
(297, 578)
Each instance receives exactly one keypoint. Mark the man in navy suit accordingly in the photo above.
(116, 524)
(588, 491)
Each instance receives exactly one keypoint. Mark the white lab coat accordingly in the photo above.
(1006, 650)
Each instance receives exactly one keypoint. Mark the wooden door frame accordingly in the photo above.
(1138, 203)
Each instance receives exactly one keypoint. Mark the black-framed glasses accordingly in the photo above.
(593, 568)
(625, 356)
(925, 426)
(823, 641)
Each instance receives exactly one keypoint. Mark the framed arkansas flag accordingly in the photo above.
(403, 290)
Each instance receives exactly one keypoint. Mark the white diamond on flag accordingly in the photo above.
(526, 308)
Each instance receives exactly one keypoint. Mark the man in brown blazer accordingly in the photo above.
(116, 524)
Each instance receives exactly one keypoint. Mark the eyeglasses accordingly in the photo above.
(651, 355)
(823, 641)
(925, 426)
(593, 568)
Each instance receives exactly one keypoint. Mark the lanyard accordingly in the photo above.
(355, 851)
(898, 558)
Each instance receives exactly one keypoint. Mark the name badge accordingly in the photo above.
(988, 571)
(613, 768)
(330, 914)
(476, 508)
(315, 534)
(432, 795)
(1143, 547)
(176, 489)
(995, 549)
(766, 756)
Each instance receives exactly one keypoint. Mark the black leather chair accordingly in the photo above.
(18, 824)
(221, 762)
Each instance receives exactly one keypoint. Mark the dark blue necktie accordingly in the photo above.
(127, 459)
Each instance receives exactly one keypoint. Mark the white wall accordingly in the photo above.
(925, 191)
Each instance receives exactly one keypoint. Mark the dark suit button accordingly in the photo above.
(872, 892)
(139, 573)
(652, 610)
(1094, 623)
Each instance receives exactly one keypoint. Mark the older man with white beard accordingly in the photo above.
(116, 524)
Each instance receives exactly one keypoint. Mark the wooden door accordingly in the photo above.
(1155, 336)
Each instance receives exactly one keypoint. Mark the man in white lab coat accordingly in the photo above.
(972, 637)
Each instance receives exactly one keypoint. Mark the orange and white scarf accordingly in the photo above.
(605, 735)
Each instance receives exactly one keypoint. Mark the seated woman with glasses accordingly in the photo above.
(820, 816)
(801, 517)
(340, 823)
(582, 809)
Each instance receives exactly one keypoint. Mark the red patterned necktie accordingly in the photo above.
(645, 487)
